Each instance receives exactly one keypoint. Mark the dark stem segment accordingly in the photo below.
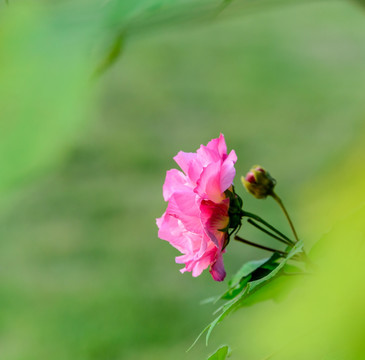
(278, 200)
(238, 238)
(262, 221)
(286, 242)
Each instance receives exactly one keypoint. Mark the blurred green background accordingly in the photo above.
(83, 159)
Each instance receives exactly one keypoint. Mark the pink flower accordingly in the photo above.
(197, 208)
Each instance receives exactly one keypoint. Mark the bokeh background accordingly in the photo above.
(83, 159)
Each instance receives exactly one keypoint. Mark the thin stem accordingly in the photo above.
(238, 238)
(262, 221)
(278, 200)
(269, 233)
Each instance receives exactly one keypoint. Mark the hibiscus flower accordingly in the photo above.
(196, 219)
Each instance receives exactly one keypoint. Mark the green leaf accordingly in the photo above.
(254, 285)
(198, 337)
(233, 291)
(273, 270)
(221, 354)
(143, 17)
(114, 53)
(245, 270)
(251, 270)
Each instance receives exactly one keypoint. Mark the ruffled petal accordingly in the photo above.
(207, 155)
(183, 159)
(196, 265)
(227, 172)
(175, 181)
(201, 265)
(217, 268)
(185, 207)
(209, 184)
(215, 218)
(171, 230)
(219, 146)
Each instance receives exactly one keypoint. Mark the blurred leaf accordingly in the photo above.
(146, 16)
(330, 321)
(362, 2)
(295, 268)
(114, 53)
(221, 354)
(43, 92)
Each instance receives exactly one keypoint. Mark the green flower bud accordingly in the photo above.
(258, 182)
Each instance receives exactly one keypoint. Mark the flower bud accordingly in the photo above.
(258, 182)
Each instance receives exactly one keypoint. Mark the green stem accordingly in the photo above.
(278, 200)
(262, 221)
(238, 238)
(269, 233)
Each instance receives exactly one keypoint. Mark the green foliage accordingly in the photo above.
(323, 316)
(250, 278)
(221, 354)
(246, 270)
(130, 18)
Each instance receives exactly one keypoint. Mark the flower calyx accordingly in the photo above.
(234, 211)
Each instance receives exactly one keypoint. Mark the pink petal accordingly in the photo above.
(217, 269)
(195, 170)
(207, 155)
(215, 218)
(187, 260)
(185, 206)
(219, 146)
(184, 159)
(209, 184)
(175, 182)
(172, 230)
(196, 265)
(228, 172)
(232, 156)
(201, 265)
